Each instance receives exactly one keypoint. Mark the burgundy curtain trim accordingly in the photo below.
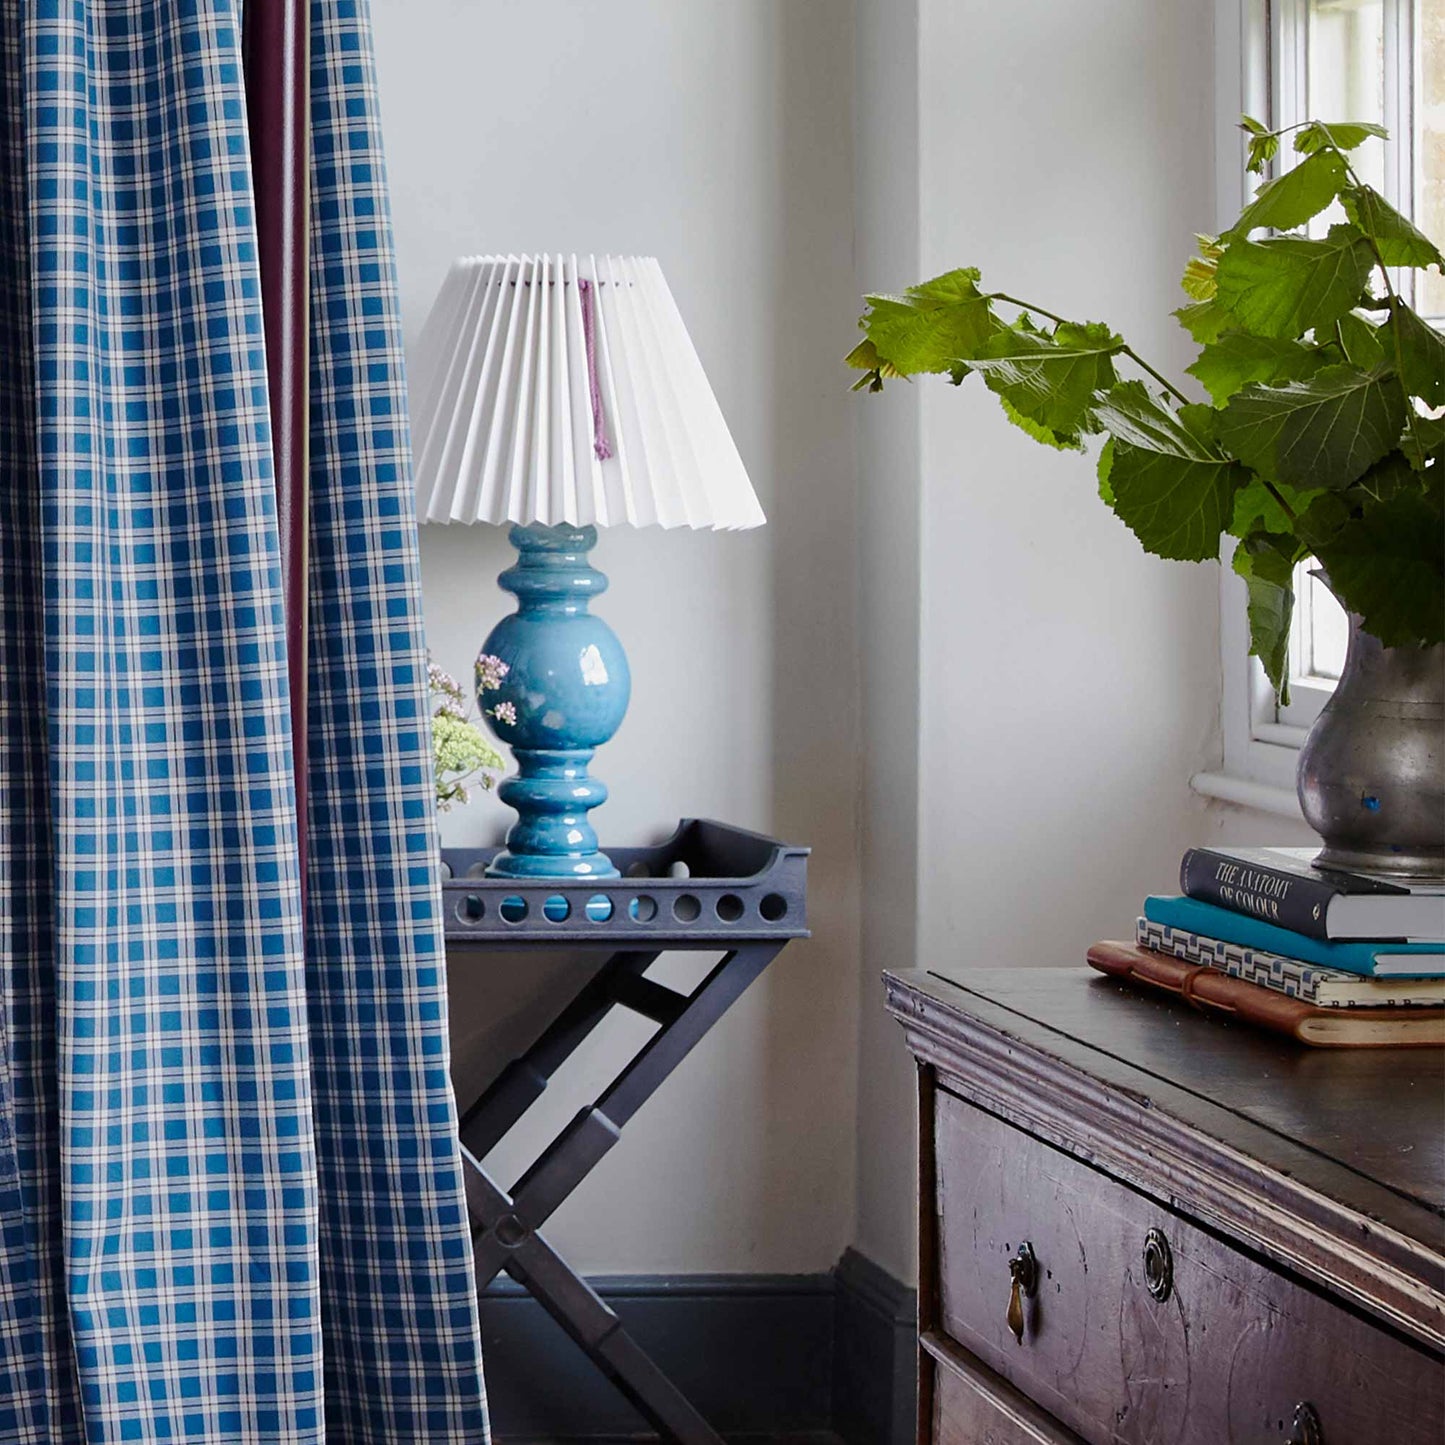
(276, 49)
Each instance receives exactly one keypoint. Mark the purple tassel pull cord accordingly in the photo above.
(601, 447)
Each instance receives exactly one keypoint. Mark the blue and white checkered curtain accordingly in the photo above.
(231, 1205)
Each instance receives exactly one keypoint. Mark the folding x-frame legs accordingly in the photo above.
(506, 1226)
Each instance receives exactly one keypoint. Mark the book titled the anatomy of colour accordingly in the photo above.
(1280, 886)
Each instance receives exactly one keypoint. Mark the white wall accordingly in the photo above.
(715, 136)
(1070, 682)
(889, 437)
(943, 663)
(1067, 685)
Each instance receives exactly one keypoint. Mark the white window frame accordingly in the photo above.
(1255, 44)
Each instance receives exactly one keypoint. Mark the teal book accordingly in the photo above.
(1371, 960)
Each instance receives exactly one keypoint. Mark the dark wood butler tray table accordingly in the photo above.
(710, 887)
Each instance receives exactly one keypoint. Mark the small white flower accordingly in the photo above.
(505, 712)
(461, 753)
(446, 694)
(490, 672)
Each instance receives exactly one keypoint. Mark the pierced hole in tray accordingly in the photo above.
(642, 909)
(513, 908)
(446, 870)
(556, 909)
(599, 908)
(729, 908)
(637, 870)
(686, 908)
(774, 907)
(471, 909)
(679, 869)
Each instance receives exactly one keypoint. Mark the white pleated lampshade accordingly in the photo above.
(566, 389)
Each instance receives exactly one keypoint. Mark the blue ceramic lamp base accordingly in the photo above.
(553, 684)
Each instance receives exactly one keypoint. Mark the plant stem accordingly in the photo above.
(1126, 349)
(1288, 510)
(1164, 382)
(1299, 125)
(1392, 298)
(1025, 306)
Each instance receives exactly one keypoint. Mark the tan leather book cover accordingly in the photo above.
(1212, 991)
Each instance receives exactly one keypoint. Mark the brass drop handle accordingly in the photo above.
(1023, 1273)
(1305, 1428)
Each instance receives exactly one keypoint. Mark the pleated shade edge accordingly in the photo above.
(506, 402)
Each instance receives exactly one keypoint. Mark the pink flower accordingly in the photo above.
(446, 693)
(490, 672)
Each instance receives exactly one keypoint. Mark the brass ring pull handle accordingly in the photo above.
(1023, 1273)
(1305, 1429)
(1158, 1265)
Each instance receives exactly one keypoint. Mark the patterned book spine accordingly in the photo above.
(1284, 975)
(1283, 899)
(1323, 987)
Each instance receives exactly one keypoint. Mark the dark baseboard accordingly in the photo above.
(875, 1354)
(801, 1359)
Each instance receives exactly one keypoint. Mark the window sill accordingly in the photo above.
(1281, 735)
(1262, 797)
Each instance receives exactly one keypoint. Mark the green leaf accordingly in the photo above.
(1253, 126)
(864, 357)
(1237, 358)
(1391, 474)
(1257, 509)
(1419, 351)
(1400, 243)
(1051, 380)
(1170, 484)
(931, 327)
(1347, 135)
(1263, 148)
(1104, 466)
(1360, 341)
(1205, 321)
(1266, 562)
(1320, 522)
(1060, 441)
(1295, 197)
(1424, 442)
(1389, 566)
(1319, 433)
(1286, 285)
(1198, 278)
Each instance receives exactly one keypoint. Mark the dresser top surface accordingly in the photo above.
(1377, 1115)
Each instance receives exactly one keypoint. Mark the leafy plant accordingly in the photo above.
(461, 753)
(1322, 436)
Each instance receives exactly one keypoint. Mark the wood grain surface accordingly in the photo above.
(1226, 1357)
(1050, 1050)
(972, 1405)
(1302, 1195)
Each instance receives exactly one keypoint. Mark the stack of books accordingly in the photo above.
(1331, 958)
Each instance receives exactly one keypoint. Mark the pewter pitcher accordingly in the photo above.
(1371, 774)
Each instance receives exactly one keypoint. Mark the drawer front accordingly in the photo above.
(1223, 1359)
(973, 1406)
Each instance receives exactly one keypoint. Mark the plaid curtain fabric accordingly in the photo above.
(230, 1198)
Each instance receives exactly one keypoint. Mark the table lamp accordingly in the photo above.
(561, 394)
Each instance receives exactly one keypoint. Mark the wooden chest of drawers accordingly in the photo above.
(1218, 1238)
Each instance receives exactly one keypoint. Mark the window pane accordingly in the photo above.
(1347, 59)
(1347, 72)
(1430, 147)
(1325, 629)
